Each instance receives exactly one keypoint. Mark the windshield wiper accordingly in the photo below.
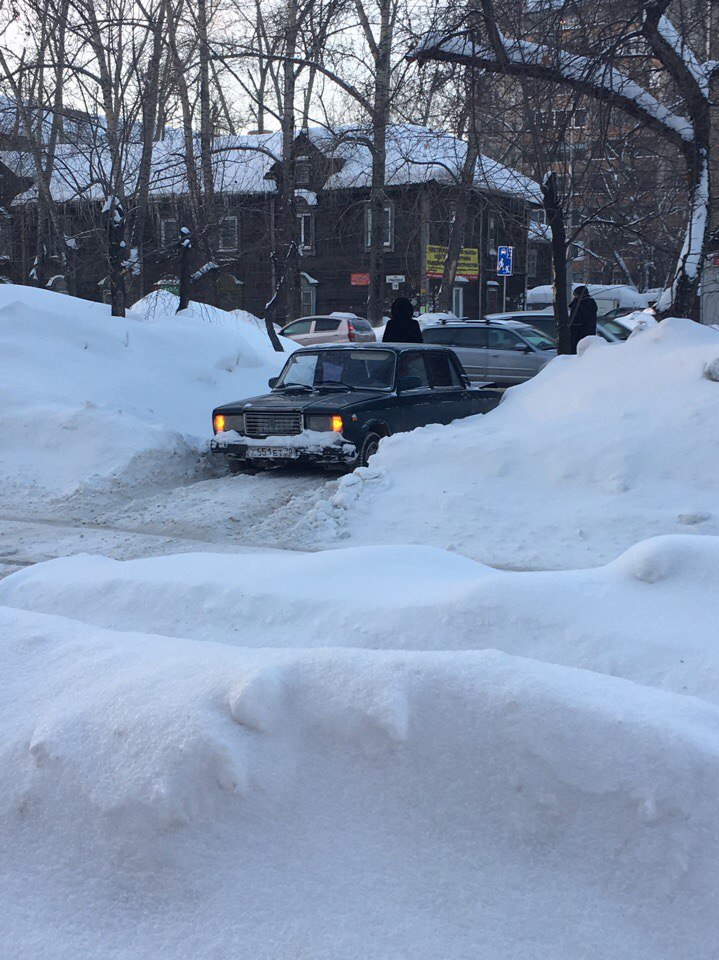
(337, 383)
(295, 386)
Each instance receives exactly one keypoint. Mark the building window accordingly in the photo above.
(491, 234)
(306, 225)
(302, 171)
(308, 295)
(531, 261)
(458, 301)
(229, 233)
(388, 226)
(169, 233)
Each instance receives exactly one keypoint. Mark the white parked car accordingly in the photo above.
(329, 328)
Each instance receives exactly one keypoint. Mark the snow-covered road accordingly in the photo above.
(220, 514)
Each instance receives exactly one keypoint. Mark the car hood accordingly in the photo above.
(316, 402)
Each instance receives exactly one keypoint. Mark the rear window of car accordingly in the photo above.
(441, 371)
(359, 324)
(456, 336)
(326, 325)
(443, 335)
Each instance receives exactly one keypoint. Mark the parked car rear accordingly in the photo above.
(331, 328)
(505, 353)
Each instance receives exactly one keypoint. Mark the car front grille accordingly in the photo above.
(235, 422)
(270, 424)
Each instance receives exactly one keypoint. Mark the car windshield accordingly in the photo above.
(538, 339)
(617, 330)
(337, 369)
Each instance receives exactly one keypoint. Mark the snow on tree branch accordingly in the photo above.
(524, 58)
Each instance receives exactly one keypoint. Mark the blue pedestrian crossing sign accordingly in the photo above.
(505, 261)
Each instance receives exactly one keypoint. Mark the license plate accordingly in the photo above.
(272, 452)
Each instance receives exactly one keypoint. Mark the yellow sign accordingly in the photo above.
(468, 265)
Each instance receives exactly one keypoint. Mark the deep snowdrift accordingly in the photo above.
(87, 399)
(594, 454)
(650, 616)
(175, 800)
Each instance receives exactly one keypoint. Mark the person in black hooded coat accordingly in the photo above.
(402, 326)
(582, 316)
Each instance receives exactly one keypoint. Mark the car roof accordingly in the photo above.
(462, 324)
(510, 314)
(392, 347)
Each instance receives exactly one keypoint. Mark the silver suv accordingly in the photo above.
(503, 352)
(331, 328)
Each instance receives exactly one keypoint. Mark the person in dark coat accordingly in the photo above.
(582, 316)
(402, 326)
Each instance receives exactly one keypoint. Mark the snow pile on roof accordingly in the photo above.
(416, 155)
(88, 399)
(165, 798)
(627, 297)
(594, 454)
(650, 616)
(242, 163)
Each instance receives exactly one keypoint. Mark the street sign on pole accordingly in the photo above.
(505, 268)
(505, 261)
(395, 279)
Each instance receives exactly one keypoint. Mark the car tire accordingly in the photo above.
(370, 445)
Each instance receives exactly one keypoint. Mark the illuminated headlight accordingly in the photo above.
(230, 421)
(325, 424)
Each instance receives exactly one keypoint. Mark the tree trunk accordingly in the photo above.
(463, 196)
(208, 186)
(555, 220)
(116, 253)
(185, 244)
(378, 197)
(149, 128)
(289, 285)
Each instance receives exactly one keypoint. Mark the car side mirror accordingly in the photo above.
(408, 383)
(272, 382)
(522, 348)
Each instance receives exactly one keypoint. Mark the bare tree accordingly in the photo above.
(490, 49)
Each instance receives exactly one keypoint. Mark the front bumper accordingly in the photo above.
(336, 454)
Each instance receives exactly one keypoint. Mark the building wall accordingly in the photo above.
(245, 276)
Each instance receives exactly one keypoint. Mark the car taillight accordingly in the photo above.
(351, 332)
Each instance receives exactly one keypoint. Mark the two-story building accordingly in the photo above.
(235, 265)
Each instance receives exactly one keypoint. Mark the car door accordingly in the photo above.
(415, 402)
(448, 388)
(300, 331)
(509, 359)
(468, 342)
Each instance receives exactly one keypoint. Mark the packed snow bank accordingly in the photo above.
(594, 454)
(169, 800)
(87, 399)
(649, 616)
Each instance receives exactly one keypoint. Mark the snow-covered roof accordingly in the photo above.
(416, 155)
(242, 163)
(626, 297)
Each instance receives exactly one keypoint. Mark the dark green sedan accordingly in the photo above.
(332, 405)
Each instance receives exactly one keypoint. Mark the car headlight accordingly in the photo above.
(218, 422)
(324, 424)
